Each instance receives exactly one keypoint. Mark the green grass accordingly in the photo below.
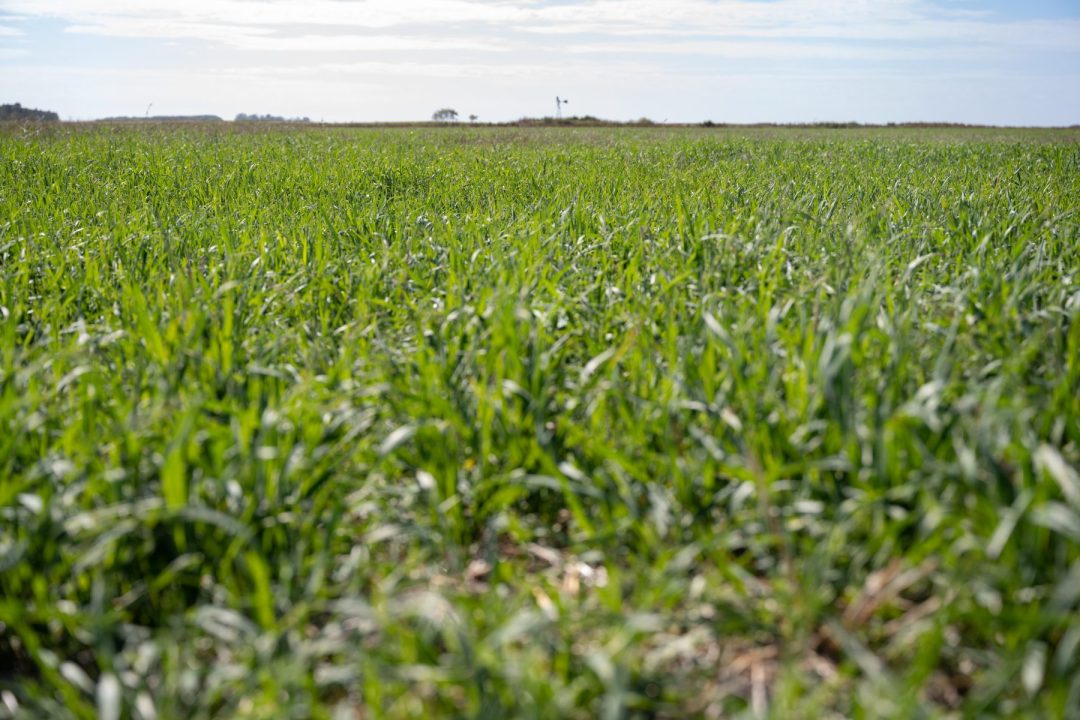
(534, 423)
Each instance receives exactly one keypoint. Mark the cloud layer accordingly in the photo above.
(240, 22)
(564, 42)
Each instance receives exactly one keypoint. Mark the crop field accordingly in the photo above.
(539, 423)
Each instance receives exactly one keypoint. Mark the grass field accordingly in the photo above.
(539, 423)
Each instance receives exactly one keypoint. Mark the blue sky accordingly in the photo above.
(979, 61)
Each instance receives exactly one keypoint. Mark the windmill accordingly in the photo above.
(559, 102)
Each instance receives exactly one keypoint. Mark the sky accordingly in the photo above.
(994, 62)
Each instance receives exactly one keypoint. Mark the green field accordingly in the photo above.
(539, 423)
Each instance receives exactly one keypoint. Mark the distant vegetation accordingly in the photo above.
(165, 118)
(244, 117)
(575, 120)
(18, 112)
(445, 115)
(842, 125)
(584, 121)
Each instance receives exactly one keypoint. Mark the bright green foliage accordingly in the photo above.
(539, 423)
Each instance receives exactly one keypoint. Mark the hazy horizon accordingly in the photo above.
(967, 61)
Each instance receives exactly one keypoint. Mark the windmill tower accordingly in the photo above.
(559, 102)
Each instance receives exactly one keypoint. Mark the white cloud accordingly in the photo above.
(262, 38)
(364, 43)
(774, 50)
(835, 20)
(338, 13)
(486, 71)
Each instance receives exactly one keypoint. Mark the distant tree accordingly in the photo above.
(474, 118)
(18, 112)
(445, 115)
(244, 117)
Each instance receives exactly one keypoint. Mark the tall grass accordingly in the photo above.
(538, 423)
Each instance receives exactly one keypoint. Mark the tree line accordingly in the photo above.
(16, 111)
(244, 117)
